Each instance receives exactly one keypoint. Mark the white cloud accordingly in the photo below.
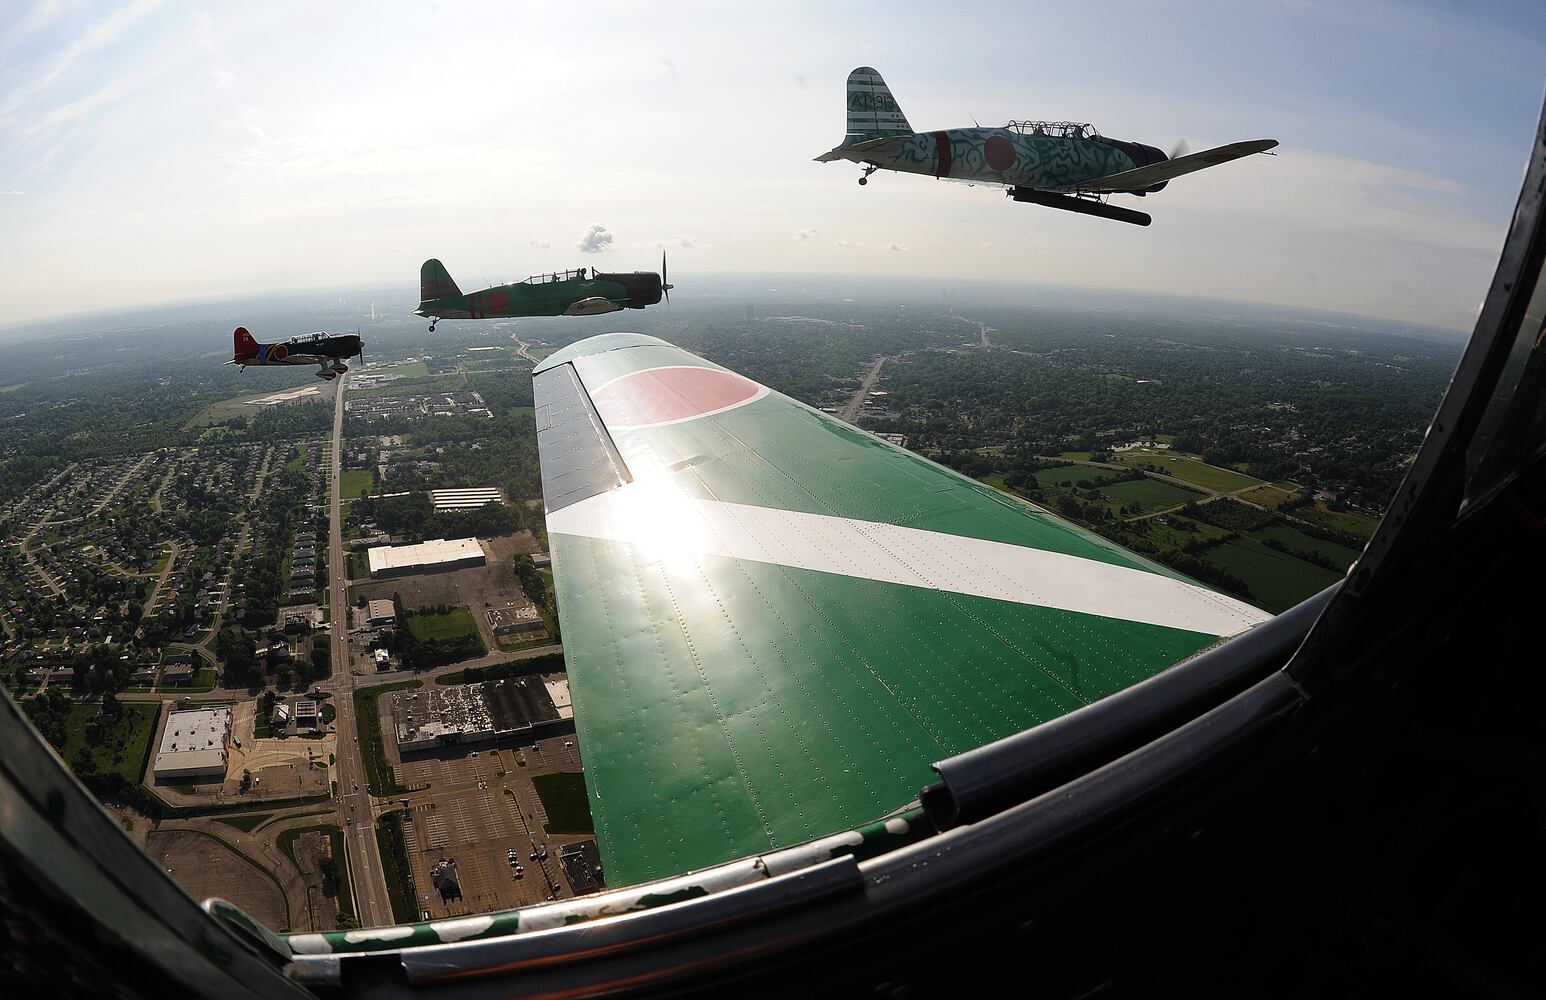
(898, 247)
(805, 234)
(595, 240)
(542, 244)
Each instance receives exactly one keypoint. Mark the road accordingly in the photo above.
(355, 815)
(870, 378)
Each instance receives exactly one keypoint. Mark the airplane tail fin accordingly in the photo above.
(435, 282)
(245, 345)
(872, 112)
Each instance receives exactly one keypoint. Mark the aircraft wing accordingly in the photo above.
(775, 622)
(1144, 177)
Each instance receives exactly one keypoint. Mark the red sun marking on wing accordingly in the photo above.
(668, 395)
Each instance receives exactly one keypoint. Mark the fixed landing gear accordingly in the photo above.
(432, 325)
(866, 178)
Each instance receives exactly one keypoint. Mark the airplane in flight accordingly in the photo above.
(319, 349)
(562, 293)
(1063, 165)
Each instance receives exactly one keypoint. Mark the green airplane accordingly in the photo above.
(562, 293)
(1062, 165)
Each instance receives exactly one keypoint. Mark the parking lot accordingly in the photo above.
(475, 811)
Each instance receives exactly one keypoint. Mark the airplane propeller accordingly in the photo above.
(1180, 149)
(665, 286)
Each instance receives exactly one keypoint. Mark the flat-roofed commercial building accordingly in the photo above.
(464, 499)
(380, 613)
(193, 744)
(515, 618)
(437, 554)
(467, 713)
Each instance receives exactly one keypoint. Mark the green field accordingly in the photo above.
(1277, 580)
(357, 481)
(1150, 494)
(378, 771)
(1063, 475)
(1267, 496)
(1360, 525)
(563, 798)
(1190, 470)
(1297, 541)
(412, 369)
(395, 867)
(298, 462)
(122, 748)
(452, 625)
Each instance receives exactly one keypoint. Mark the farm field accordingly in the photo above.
(1298, 541)
(1150, 494)
(1267, 496)
(1361, 525)
(1277, 580)
(1190, 470)
(1062, 475)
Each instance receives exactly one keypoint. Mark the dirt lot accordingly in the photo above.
(322, 899)
(478, 808)
(208, 867)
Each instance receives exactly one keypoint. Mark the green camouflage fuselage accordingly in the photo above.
(996, 156)
(551, 298)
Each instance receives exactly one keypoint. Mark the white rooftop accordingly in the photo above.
(194, 737)
(389, 557)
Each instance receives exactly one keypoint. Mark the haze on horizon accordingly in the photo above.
(153, 152)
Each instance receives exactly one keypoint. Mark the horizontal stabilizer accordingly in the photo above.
(1155, 173)
(859, 151)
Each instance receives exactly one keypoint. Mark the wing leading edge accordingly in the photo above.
(1141, 178)
(774, 622)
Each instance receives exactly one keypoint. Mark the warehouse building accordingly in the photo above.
(380, 613)
(464, 499)
(431, 556)
(193, 745)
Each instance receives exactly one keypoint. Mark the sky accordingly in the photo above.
(164, 151)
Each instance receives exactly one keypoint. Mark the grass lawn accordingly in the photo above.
(298, 464)
(563, 798)
(1277, 580)
(454, 624)
(357, 481)
(122, 748)
(1190, 470)
(1297, 541)
(1150, 494)
(413, 369)
(245, 822)
(394, 862)
(1266, 496)
(378, 770)
(1062, 475)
